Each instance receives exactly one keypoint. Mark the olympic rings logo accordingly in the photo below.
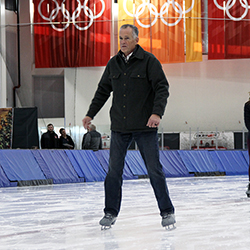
(71, 18)
(153, 12)
(230, 4)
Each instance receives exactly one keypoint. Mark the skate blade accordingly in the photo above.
(105, 227)
(170, 227)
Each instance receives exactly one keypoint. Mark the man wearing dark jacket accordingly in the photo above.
(140, 92)
(92, 139)
(247, 123)
(50, 138)
(65, 141)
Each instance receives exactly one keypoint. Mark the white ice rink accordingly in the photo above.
(211, 213)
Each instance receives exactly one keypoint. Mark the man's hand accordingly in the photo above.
(86, 121)
(154, 121)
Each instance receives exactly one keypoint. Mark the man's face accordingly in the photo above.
(50, 128)
(127, 41)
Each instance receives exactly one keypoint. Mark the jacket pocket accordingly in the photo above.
(138, 76)
(115, 75)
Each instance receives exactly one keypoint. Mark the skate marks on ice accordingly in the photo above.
(138, 233)
(211, 213)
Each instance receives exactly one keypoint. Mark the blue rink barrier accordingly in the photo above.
(199, 162)
(20, 167)
(4, 181)
(172, 164)
(103, 157)
(56, 166)
(233, 162)
(86, 165)
(246, 156)
(136, 164)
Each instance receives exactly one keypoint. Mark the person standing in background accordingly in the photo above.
(92, 139)
(49, 139)
(65, 140)
(247, 123)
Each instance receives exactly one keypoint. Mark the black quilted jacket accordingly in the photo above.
(139, 87)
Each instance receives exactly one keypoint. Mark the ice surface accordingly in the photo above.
(211, 213)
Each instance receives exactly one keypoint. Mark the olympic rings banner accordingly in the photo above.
(77, 33)
(228, 29)
(193, 31)
(161, 27)
(72, 33)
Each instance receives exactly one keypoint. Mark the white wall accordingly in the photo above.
(208, 95)
(80, 86)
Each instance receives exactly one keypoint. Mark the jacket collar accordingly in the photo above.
(138, 52)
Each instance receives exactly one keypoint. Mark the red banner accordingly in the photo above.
(216, 34)
(228, 29)
(237, 30)
(72, 33)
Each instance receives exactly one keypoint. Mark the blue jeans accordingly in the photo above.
(148, 145)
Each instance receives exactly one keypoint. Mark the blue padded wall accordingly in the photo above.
(245, 155)
(86, 165)
(233, 162)
(199, 161)
(20, 165)
(56, 165)
(103, 157)
(4, 181)
(135, 163)
(172, 164)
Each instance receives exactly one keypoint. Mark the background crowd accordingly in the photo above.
(50, 140)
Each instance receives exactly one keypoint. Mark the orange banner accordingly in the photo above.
(193, 31)
(174, 26)
(160, 24)
(125, 13)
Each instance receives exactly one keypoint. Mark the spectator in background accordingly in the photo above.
(49, 139)
(65, 140)
(92, 139)
(247, 123)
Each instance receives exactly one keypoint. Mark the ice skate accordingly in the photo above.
(168, 221)
(107, 221)
(248, 190)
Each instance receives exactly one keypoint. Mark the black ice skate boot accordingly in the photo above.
(107, 221)
(168, 219)
(248, 190)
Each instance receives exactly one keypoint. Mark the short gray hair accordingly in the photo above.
(134, 29)
(92, 127)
